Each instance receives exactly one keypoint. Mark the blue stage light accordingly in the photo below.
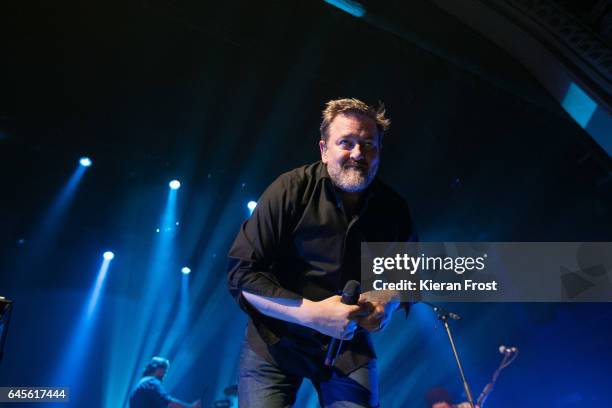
(352, 7)
(251, 205)
(579, 105)
(186, 270)
(85, 161)
(42, 238)
(79, 347)
(124, 365)
(175, 184)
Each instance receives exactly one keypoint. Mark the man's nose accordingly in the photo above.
(356, 152)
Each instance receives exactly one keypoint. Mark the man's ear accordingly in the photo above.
(323, 149)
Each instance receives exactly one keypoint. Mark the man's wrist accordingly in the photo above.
(306, 313)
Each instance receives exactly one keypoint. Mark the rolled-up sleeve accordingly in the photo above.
(259, 243)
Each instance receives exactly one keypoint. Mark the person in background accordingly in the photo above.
(150, 393)
(440, 398)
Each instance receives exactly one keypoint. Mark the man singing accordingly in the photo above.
(294, 255)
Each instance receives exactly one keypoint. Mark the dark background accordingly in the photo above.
(225, 96)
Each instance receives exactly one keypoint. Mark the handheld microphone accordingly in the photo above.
(350, 296)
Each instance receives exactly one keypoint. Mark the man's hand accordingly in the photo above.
(378, 310)
(333, 318)
(180, 404)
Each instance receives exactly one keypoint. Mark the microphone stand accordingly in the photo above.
(509, 357)
(443, 315)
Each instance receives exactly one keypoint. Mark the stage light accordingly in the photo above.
(162, 278)
(579, 105)
(352, 7)
(42, 238)
(186, 270)
(81, 341)
(251, 205)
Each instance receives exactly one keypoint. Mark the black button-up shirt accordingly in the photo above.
(298, 243)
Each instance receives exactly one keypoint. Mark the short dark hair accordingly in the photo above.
(154, 364)
(336, 107)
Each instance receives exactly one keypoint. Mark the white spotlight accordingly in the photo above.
(108, 255)
(175, 184)
(85, 161)
(186, 270)
(251, 205)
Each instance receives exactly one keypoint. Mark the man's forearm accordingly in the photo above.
(290, 310)
(328, 316)
(178, 404)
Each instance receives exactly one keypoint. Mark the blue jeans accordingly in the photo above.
(264, 385)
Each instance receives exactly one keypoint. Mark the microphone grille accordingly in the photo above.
(351, 291)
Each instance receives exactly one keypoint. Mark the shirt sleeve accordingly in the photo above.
(161, 396)
(259, 244)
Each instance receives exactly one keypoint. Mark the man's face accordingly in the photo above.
(160, 373)
(351, 152)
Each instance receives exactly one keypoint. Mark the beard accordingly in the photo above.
(351, 177)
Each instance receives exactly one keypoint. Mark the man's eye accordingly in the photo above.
(345, 143)
(369, 146)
